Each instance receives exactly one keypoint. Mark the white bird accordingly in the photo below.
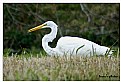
(69, 45)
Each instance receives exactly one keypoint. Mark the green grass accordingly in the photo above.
(30, 66)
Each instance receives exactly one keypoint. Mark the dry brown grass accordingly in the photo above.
(61, 68)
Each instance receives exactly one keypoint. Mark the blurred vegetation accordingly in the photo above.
(96, 22)
(64, 68)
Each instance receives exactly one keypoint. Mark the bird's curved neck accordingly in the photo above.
(49, 38)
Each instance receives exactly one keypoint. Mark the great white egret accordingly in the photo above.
(69, 45)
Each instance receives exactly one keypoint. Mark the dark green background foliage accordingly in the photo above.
(70, 18)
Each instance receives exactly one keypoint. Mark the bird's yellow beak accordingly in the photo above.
(36, 28)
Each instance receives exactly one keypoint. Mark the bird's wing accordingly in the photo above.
(67, 44)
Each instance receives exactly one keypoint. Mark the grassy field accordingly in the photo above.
(20, 67)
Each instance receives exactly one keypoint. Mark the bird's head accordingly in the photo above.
(48, 24)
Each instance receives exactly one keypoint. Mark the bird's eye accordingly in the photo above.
(45, 24)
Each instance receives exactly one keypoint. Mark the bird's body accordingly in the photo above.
(69, 45)
(79, 46)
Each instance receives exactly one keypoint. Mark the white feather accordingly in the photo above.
(70, 45)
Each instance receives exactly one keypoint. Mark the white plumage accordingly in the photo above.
(69, 45)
